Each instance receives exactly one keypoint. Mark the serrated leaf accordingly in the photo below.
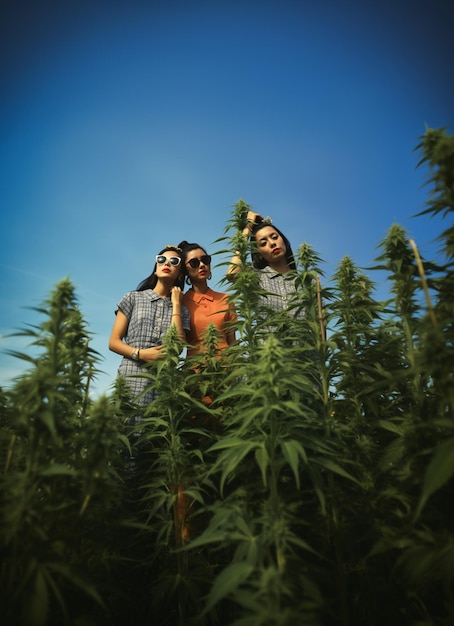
(438, 472)
(263, 459)
(230, 459)
(334, 467)
(391, 427)
(228, 580)
(293, 451)
(227, 442)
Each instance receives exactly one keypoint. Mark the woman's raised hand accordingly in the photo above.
(177, 297)
(251, 219)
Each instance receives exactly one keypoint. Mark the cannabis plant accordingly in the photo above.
(302, 476)
(59, 481)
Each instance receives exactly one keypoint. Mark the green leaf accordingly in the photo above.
(334, 467)
(226, 442)
(77, 581)
(263, 460)
(58, 470)
(228, 581)
(293, 451)
(231, 458)
(391, 427)
(317, 483)
(438, 472)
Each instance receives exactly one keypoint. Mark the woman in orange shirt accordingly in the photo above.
(205, 305)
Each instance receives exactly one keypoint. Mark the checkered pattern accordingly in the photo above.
(280, 290)
(150, 317)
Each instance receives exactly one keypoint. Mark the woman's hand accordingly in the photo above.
(176, 296)
(149, 355)
(251, 219)
(234, 266)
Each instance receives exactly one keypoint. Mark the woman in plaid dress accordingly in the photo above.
(144, 316)
(273, 259)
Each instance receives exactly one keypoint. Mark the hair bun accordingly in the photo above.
(183, 244)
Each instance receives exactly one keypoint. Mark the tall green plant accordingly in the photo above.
(428, 559)
(244, 288)
(260, 456)
(437, 150)
(59, 468)
(272, 461)
(420, 535)
(170, 478)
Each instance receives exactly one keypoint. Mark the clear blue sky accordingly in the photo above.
(127, 125)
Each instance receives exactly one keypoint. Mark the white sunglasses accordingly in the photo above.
(173, 260)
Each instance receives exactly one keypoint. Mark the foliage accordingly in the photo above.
(303, 476)
(60, 455)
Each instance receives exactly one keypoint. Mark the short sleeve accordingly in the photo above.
(126, 304)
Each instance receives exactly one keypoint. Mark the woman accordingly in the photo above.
(144, 316)
(272, 257)
(205, 305)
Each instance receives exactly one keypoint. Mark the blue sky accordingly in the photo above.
(127, 125)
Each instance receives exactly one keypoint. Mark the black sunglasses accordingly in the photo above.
(205, 258)
(173, 260)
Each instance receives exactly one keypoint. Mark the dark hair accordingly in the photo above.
(150, 281)
(258, 261)
(185, 249)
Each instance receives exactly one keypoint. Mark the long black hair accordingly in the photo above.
(257, 260)
(150, 281)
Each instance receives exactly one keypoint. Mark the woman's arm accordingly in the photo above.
(119, 330)
(116, 343)
(177, 318)
(235, 265)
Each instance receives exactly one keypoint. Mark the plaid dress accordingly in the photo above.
(280, 290)
(150, 317)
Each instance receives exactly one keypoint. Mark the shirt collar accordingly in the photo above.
(198, 297)
(271, 273)
(154, 296)
(290, 275)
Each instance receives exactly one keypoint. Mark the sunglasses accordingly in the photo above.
(173, 260)
(206, 259)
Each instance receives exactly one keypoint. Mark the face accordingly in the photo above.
(200, 258)
(270, 244)
(167, 266)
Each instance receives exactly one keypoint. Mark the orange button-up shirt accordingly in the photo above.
(207, 308)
